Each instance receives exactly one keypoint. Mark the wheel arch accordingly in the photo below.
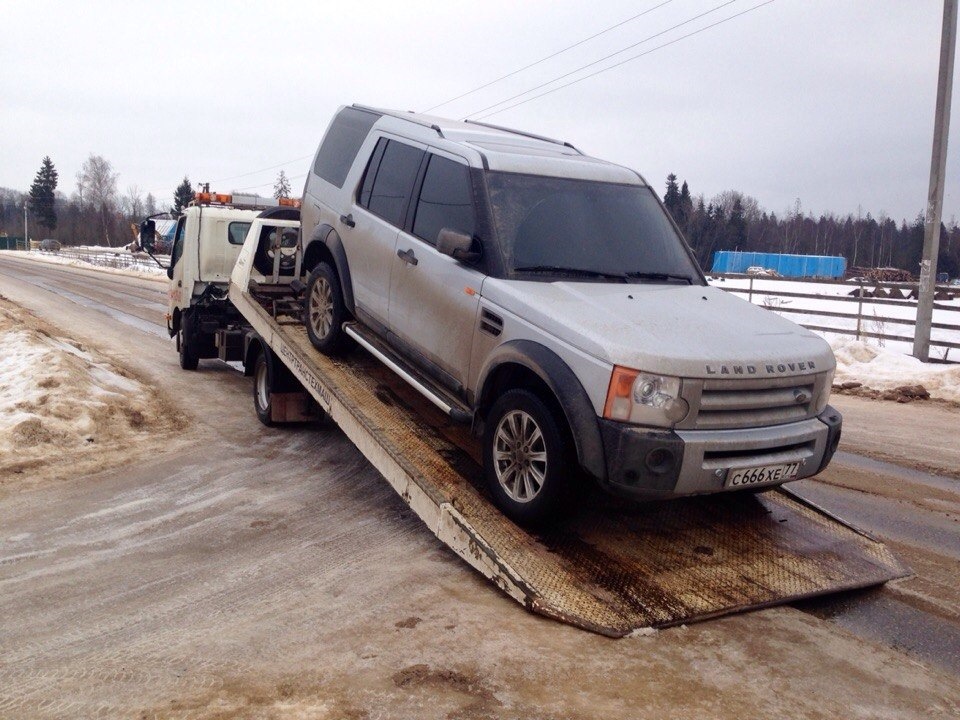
(325, 245)
(530, 365)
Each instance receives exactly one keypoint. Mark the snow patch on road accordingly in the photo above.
(62, 406)
(883, 369)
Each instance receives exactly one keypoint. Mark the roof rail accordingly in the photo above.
(524, 134)
(401, 116)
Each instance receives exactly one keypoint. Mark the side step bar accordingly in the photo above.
(457, 414)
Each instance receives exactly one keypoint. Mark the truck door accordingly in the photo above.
(433, 297)
(379, 212)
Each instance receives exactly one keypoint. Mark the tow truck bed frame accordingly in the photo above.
(615, 567)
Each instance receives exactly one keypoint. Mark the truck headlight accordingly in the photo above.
(644, 398)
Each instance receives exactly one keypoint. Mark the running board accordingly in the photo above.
(457, 414)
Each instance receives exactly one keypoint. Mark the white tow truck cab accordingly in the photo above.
(209, 235)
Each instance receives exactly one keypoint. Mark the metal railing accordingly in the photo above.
(120, 259)
(861, 294)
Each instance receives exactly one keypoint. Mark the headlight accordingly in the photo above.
(644, 398)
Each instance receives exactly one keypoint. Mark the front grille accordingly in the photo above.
(727, 404)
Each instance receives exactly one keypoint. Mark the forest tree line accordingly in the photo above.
(734, 221)
(97, 212)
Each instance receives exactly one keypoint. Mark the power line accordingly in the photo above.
(623, 62)
(606, 57)
(548, 57)
(254, 172)
(251, 187)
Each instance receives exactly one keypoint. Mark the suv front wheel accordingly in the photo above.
(526, 462)
(325, 312)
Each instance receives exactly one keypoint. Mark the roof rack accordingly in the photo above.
(401, 116)
(524, 134)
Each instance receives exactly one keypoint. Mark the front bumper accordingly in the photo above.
(659, 464)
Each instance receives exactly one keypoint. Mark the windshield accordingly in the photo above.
(585, 229)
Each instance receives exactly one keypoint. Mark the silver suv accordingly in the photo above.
(546, 298)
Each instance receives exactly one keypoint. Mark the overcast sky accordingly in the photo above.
(829, 101)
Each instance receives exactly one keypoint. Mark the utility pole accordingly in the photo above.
(938, 163)
(26, 237)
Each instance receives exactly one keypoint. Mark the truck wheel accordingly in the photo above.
(262, 386)
(527, 464)
(325, 312)
(189, 359)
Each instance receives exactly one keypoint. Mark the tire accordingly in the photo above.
(262, 387)
(325, 312)
(189, 359)
(538, 489)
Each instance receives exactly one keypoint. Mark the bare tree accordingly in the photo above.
(150, 205)
(133, 203)
(99, 186)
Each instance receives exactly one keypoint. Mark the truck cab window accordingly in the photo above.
(237, 232)
(178, 241)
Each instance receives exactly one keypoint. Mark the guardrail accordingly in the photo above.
(860, 293)
(120, 259)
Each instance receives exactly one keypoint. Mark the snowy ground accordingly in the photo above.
(117, 261)
(878, 364)
(62, 406)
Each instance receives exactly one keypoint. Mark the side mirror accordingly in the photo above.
(148, 235)
(457, 245)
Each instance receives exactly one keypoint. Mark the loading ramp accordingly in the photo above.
(615, 567)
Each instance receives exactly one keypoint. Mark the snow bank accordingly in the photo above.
(63, 409)
(883, 369)
(145, 270)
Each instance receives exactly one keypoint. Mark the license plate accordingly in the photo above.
(743, 477)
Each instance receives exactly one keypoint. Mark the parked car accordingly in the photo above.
(547, 299)
(50, 245)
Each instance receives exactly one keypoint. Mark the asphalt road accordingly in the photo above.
(251, 572)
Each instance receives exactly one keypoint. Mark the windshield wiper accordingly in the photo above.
(560, 270)
(659, 276)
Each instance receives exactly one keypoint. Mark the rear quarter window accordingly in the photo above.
(346, 134)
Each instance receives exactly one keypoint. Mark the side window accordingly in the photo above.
(178, 241)
(237, 232)
(394, 182)
(346, 134)
(370, 174)
(445, 200)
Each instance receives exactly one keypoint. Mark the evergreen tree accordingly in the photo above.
(672, 197)
(737, 225)
(182, 195)
(686, 206)
(42, 194)
(281, 188)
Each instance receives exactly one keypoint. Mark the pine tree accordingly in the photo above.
(182, 195)
(42, 195)
(281, 188)
(686, 206)
(672, 197)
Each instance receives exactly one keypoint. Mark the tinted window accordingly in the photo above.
(370, 174)
(394, 181)
(580, 224)
(344, 138)
(445, 200)
(237, 232)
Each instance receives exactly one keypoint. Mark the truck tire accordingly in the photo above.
(262, 387)
(325, 312)
(189, 359)
(527, 464)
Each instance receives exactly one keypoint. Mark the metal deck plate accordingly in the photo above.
(615, 567)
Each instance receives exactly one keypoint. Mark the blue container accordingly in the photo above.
(812, 266)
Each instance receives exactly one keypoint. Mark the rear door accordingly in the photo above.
(434, 298)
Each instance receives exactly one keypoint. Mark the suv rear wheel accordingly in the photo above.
(526, 462)
(325, 312)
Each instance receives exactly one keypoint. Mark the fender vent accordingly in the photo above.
(490, 323)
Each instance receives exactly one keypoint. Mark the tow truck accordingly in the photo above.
(616, 567)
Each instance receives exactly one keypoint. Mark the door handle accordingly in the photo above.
(407, 256)
(347, 220)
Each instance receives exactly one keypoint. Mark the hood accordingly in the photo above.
(689, 331)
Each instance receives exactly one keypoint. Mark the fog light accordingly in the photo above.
(659, 461)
